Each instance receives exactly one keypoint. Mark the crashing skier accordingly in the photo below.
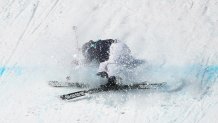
(113, 57)
(115, 63)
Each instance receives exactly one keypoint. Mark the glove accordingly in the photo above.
(102, 74)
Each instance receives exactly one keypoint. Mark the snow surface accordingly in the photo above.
(177, 38)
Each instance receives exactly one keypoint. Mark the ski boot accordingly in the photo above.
(113, 82)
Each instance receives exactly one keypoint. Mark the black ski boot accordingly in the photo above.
(112, 81)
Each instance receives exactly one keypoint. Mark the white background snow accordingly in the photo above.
(177, 38)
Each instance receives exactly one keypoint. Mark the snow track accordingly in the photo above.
(178, 39)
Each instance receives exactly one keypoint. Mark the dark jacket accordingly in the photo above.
(98, 50)
(103, 49)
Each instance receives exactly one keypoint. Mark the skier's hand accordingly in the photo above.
(102, 74)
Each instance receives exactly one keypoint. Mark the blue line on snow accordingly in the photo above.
(15, 70)
(2, 70)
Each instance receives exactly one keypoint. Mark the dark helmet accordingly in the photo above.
(88, 50)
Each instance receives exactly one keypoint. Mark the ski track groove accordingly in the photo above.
(180, 119)
(22, 10)
(7, 6)
(22, 34)
(20, 38)
(46, 16)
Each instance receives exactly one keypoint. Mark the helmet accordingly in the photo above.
(88, 50)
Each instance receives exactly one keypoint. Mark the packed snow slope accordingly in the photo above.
(177, 38)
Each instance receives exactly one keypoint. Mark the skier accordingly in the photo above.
(112, 56)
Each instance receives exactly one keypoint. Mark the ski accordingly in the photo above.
(103, 88)
(67, 84)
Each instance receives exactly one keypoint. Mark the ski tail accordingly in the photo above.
(77, 94)
(73, 95)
